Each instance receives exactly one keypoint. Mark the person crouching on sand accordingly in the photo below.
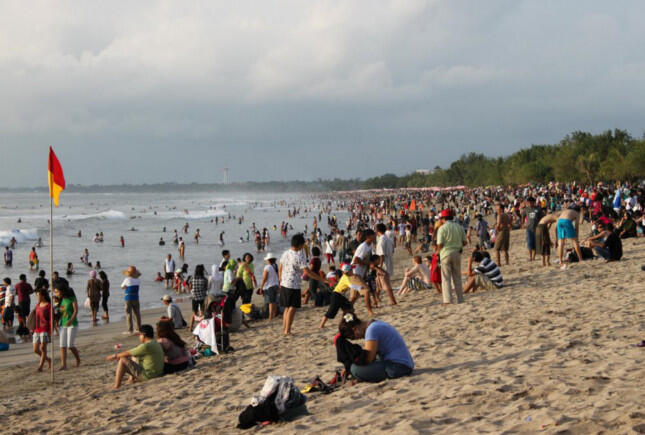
(338, 300)
(150, 355)
(382, 340)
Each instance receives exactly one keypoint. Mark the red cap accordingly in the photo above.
(445, 213)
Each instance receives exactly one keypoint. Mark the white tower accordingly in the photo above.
(226, 180)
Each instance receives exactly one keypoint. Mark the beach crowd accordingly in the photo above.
(349, 262)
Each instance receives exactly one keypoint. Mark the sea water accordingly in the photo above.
(140, 219)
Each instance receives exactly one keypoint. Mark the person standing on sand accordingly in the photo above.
(23, 291)
(105, 294)
(197, 236)
(93, 290)
(43, 329)
(531, 215)
(68, 322)
(567, 229)
(543, 239)
(292, 266)
(131, 285)
(451, 239)
(361, 263)
(503, 233)
(385, 251)
(169, 270)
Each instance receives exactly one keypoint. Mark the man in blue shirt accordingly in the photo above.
(131, 285)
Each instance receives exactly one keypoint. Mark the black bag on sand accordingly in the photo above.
(348, 353)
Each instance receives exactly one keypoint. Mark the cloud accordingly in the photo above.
(264, 85)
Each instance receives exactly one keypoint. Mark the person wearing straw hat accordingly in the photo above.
(131, 285)
(270, 284)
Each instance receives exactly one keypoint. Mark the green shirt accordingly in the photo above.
(67, 311)
(151, 357)
(452, 236)
(246, 276)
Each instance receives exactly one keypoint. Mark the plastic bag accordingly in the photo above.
(87, 303)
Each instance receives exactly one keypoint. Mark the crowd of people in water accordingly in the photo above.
(333, 269)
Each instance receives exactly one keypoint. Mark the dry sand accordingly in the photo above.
(552, 352)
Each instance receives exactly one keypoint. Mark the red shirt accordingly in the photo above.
(43, 323)
(23, 290)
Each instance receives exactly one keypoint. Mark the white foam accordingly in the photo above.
(21, 236)
(192, 215)
(110, 214)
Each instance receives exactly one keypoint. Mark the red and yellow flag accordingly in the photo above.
(56, 177)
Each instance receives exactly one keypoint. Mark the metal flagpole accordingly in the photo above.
(51, 268)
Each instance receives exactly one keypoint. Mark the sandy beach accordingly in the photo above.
(553, 352)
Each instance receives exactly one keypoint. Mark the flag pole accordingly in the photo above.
(51, 269)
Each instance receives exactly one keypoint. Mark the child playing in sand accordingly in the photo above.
(338, 300)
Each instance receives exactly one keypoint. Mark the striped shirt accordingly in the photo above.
(489, 268)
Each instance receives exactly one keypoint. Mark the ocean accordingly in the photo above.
(140, 218)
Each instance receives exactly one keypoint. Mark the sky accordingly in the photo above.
(160, 91)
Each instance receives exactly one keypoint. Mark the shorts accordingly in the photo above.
(313, 287)
(542, 240)
(94, 304)
(530, 240)
(169, 275)
(134, 369)
(338, 302)
(68, 336)
(290, 297)
(565, 229)
(271, 295)
(502, 241)
(484, 282)
(198, 306)
(41, 337)
(7, 315)
(23, 308)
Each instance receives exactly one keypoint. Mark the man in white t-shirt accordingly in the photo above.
(385, 250)
(292, 266)
(361, 262)
(361, 258)
(169, 269)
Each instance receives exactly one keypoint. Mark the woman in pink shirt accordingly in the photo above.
(43, 329)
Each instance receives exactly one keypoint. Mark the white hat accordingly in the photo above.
(269, 256)
(346, 267)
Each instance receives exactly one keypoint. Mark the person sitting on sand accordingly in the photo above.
(158, 278)
(338, 300)
(150, 359)
(174, 348)
(607, 243)
(382, 340)
(419, 271)
(486, 274)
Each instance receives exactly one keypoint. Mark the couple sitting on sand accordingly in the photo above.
(156, 358)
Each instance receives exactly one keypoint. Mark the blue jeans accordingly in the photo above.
(379, 370)
(603, 252)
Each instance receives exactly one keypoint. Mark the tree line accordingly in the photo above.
(580, 156)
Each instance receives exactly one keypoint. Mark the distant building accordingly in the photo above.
(424, 171)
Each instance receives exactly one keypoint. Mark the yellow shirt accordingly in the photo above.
(343, 284)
